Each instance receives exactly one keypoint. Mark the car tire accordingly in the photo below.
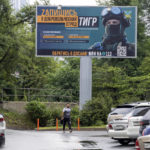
(2, 141)
(124, 141)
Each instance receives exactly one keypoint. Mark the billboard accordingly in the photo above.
(109, 32)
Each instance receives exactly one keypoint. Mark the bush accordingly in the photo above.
(54, 113)
(38, 110)
(96, 110)
(48, 116)
(57, 112)
(74, 115)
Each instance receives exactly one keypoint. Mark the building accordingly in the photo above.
(18, 4)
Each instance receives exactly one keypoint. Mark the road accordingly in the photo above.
(57, 140)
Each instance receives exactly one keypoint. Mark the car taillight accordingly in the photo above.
(137, 145)
(2, 134)
(1, 119)
(141, 123)
(110, 126)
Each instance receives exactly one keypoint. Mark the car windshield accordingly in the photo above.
(140, 111)
(121, 110)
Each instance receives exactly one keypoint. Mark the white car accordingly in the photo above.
(118, 113)
(2, 129)
(118, 128)
(134, 121)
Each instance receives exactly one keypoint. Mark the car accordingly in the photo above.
(134, 121)
(119, 112)
(143, 142)
(118, 128)
(144, 122)
(2, 129)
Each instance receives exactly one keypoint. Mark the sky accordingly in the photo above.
(71, 2)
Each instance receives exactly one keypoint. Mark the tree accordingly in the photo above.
(126, 80)
(66, 80)
(9, 43)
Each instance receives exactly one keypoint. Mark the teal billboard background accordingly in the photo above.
(52, 38)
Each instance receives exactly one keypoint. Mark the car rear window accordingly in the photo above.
(147, 115)
(140, 111)
(122, 110)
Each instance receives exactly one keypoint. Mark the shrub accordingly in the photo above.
(96, 110)
(74, 115)
(38, 110)
(55, 113)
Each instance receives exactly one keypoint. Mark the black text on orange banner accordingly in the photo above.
(69, 21)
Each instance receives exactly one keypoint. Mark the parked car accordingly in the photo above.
(143, 142)
(134, 121)
(144, 122)
(118, 128)
(119, 112)
(2, 129)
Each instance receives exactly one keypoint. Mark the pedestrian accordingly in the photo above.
(66, 117)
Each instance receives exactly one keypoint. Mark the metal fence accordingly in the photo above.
(29, 94)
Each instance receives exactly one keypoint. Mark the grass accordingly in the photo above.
(74, 127)
(17, 121)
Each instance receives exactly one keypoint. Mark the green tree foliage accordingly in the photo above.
(96, 110)
(17, 51)
(9, 43)
(126, 80)
(66, 79)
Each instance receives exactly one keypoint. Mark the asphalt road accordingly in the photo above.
(57, 140)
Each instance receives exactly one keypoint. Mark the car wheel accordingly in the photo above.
(2, 141)
(124, 141)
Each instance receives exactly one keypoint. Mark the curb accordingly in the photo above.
(74, 129)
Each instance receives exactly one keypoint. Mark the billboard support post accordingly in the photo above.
(85, 80)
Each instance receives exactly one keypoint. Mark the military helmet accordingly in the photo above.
(114, 13)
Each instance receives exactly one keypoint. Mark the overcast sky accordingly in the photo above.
(71, 2)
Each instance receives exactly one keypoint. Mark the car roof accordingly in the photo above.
(136, 104)
(143, 104)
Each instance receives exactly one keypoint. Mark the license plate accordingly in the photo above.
(146, 145)
(119, 127)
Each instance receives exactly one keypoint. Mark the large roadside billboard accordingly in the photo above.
(109, 32)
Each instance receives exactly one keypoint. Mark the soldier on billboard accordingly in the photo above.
(115, 21)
